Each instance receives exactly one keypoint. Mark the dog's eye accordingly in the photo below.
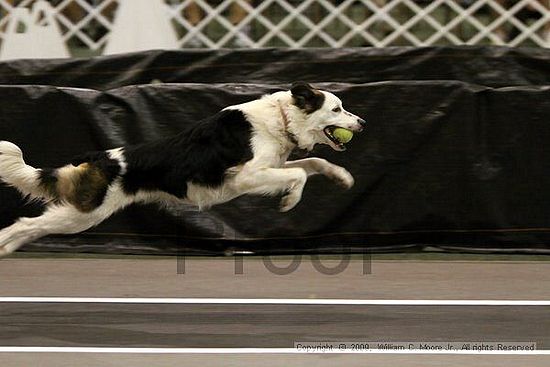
(336, 109)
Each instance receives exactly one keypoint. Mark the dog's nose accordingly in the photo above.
(362, 122)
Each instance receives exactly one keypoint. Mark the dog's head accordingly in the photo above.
(320, 113)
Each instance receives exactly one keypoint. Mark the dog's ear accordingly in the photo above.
(306, 97)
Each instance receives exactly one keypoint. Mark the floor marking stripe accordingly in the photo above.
(250, 351)
(276, 301)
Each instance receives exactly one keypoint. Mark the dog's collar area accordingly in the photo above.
(286, 122)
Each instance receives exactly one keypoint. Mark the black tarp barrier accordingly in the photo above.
(490, 66)
(450, 165)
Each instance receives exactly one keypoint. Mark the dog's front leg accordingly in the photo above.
(314, 166)
(272, 181)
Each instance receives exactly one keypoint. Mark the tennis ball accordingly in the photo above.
(343, 135)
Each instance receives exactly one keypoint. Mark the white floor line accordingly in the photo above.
(115, 350)
(102, 350)
(277, 301)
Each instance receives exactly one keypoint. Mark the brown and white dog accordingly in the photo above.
(241, 150)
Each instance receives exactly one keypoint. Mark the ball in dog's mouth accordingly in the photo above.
(338, 135)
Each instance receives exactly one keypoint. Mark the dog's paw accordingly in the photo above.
(5, 251)
(289, 201)
(342, 177)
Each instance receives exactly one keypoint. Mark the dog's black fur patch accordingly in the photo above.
(200, 155)
(306, 97)
(101, 161)
(48, 181)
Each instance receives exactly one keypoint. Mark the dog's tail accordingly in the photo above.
(31, 182)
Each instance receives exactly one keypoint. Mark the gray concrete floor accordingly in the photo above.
(266, 326)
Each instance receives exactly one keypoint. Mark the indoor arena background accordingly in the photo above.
(454, 157)
(444, 238)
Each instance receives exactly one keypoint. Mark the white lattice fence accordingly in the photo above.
(318, 23)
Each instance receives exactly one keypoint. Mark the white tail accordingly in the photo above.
(15, 172)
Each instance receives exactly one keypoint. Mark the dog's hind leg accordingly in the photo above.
(57, 219)
(63, 218)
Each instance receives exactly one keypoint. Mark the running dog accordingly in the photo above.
(241, 150)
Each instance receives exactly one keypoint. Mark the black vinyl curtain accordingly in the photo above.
(455, 155)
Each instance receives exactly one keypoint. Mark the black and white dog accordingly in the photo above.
(243, 149)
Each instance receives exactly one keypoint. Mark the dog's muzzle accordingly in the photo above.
(362, 123)
(336, 143)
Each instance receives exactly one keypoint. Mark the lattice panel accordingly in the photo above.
(318, 23)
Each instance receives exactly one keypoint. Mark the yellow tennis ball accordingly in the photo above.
(343, 135)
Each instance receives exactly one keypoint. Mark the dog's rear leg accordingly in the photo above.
(57, 219)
